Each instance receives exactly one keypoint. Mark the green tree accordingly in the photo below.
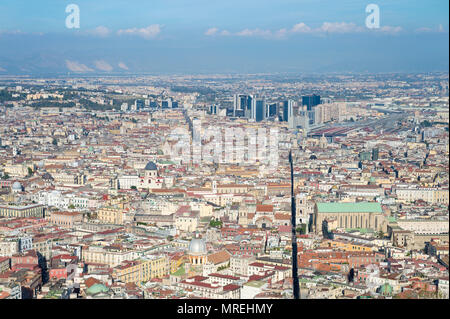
(30, 171)
(301, 229)
(223, 267)
(215, 223)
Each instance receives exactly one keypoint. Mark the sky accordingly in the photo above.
(211, 36)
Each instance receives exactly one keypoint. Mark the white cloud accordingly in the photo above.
(300, 28)
(281, 33)
(211, 31)
(147, 33)
(123, 66)
(389, 29)
(216, 31)
(254, 32)
(77, 67)
(424, 29)
(246, 33)
(100, 31)
(103, 66)
(11, 32)
(339, 27)
(2, 69)
(440, 28)
(19, 32)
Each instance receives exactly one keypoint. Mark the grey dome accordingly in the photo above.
(47, 176)
(197, 246)
(150, 167)
(17, 186)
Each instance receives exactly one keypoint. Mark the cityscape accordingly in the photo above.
(223, 185)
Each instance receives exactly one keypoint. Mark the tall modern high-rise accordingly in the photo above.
(213, 109)
(305, 119)
(288, 110)
(271, 110)
(250, 99)
(310, 101)
(167, 104)
(257, 109)
(139, 105)
(153, 104)
(236, 104)
(241, 103)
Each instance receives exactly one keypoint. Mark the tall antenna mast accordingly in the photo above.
(294, 237)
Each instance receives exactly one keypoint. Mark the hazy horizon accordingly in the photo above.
(207, 37)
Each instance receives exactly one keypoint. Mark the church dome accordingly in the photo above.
(197, 246)
(150, 167)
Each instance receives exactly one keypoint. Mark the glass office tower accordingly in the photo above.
(310, 101)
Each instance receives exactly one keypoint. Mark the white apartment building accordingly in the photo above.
(8, 248)
(201, 288)
(60, 200)
(239, 264)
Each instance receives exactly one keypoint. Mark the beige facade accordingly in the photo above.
(187, 223)
(244, 212)
(403, 238)
(232, 189)
(205, 210)
(69, 179)
(111, 215)
(111, 257)
(239, 264)
(4, 264)
(22, 211)
(430, 195)
(424, 226)
(18, 170)
(330, 112)
(351, 219)
(141, 270)
(65, 219)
